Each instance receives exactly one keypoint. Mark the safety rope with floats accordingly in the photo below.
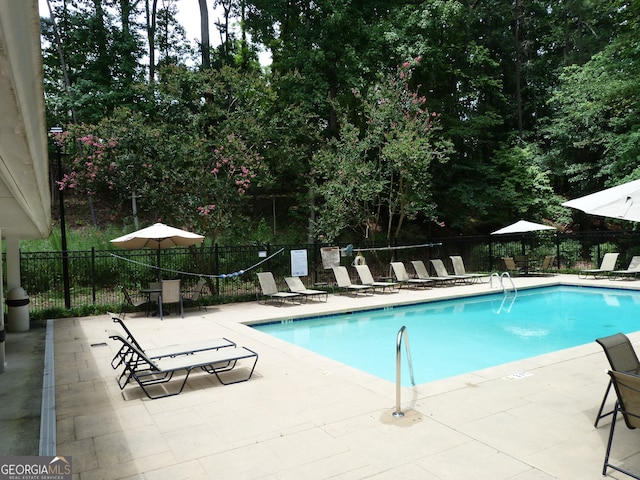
(201, 275)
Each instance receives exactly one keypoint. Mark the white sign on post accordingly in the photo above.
(299, 266)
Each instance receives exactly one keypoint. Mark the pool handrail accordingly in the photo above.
(402, 332)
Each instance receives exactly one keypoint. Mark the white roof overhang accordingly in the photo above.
(25, 202)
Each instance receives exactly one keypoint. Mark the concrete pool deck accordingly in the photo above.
(306, 416)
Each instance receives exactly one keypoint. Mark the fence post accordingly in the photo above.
(93, 274)
(216, 263)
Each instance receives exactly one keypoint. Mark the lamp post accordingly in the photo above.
(63, 226)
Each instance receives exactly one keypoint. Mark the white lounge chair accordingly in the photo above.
(631, 272)
(403, 278)
(343, 282)
(270, 290)
(423, 273)
(367, 279)
(607, 266)
(296, 286)
(460, 271)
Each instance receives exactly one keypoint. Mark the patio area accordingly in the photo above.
(305, 416)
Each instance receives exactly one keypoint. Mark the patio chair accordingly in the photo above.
(270, 291)
(607, 266)
(632, 270)
(403, 278)
(135, 302)
(149, 372)
(622, 358)
(460, 271)
(422, 272)
(124, 355)
(194, 296)
(627, 388)
(170, 296)
(366, 278)
(441, 271)
(547, 263)
(510, 266)
(343, 282)
(296, 286)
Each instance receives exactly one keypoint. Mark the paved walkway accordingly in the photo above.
(306, 416)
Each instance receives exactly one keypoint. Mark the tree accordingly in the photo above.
(375, 176)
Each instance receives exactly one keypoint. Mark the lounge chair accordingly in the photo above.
(124, 355)
(622, 358)
(343, 282)
(296, 286)
(148, 372)
(441, 272)
(193, 297)
(607, 266)
(403, 278)
(632, 270)
(170, 296)
(627, 388)
(460, 271)
(270, 290)
(367, 279)
(422, 272)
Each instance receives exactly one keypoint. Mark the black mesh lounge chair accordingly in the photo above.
(461, 271)
(622, 358)
(366, 278)
(123, 355)
(148, 372)
(343, 282)
(403, 278)
(296, 286)
(627, 388)
(607, 266)
(270, 290)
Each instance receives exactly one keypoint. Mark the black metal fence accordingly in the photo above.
(95, 275)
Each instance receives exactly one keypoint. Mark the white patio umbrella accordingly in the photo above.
(158, 237)
(621, 202)
(522, 226)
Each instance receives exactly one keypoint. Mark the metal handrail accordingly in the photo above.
(513, 285)
(502, 277)
(402, 332)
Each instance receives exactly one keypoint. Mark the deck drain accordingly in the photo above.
(519, 375)
(101, 344)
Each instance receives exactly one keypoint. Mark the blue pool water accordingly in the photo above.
(452, 337)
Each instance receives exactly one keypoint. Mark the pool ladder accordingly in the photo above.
(402, 333)
(501, 278)
(505, 291)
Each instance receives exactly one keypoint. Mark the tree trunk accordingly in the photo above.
(204, 34)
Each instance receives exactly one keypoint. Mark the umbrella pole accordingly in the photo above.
(158, 265)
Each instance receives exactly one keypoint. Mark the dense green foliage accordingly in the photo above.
(375, 119)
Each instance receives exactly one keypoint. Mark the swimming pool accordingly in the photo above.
(451, 337)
